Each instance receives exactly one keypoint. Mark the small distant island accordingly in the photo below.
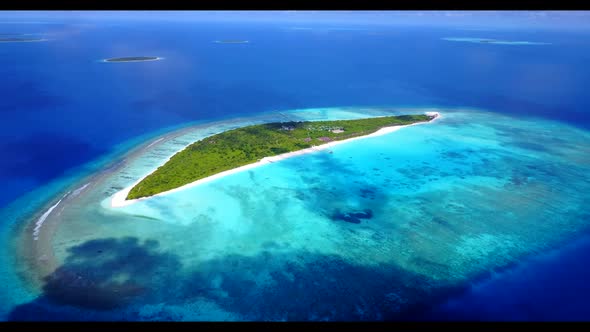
(492, 41)
(232, 41)
(20, 40)
(243, 146)
(133, 59)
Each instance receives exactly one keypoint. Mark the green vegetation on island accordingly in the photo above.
(247, 145)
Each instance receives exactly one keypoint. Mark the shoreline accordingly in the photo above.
(119, 199)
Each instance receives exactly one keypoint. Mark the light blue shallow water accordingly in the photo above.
(434, 207)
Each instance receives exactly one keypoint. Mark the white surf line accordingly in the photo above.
(41, 219)
(154, 142)
(118, 199)
(79, 190)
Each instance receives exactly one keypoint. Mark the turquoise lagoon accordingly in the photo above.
(381, 228)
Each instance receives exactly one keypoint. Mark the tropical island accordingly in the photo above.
(492, 41)
(247, 145)
(133, 59)
(20, 40)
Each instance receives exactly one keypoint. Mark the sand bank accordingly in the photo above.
(43, 217)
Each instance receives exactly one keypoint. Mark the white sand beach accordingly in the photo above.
(118, 199)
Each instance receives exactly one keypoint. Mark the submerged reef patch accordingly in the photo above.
(352, 217)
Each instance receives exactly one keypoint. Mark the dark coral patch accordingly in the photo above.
(352, 217)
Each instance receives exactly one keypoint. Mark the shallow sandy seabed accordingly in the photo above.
(374, 230)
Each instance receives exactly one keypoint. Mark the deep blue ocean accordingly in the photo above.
(62, 107)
